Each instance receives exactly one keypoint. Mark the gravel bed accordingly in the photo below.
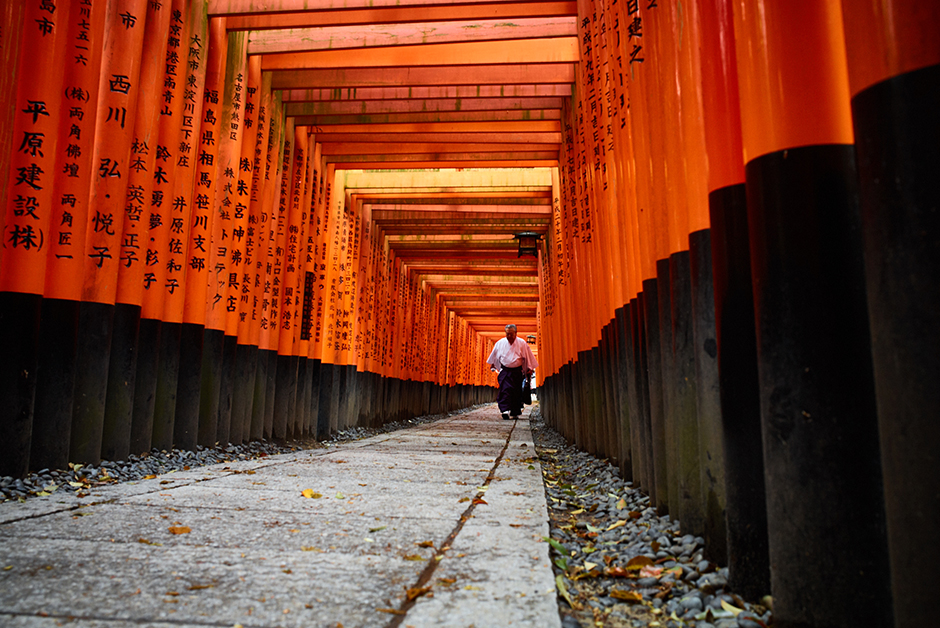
(617, 562)
(77, 478)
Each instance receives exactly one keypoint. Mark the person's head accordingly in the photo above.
(511, 333)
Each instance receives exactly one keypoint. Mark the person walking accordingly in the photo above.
(512, 360)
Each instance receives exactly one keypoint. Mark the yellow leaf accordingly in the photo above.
(146, 542)
(415, 593)
(589, 566)
(447, 581)
(734, 610)
(638, 562)
(378, 529)
(627, 596)
(179, 530)
(463, 499)
(621, 504)
(309, 493)
(310, 548)
(425, 544)
(616, 524)
(146, 477)
(8, 568)
(390, 611)
(76, 484)
(480, 500)
(414, 557)
(576, 512)
(470, 587)
(340, 496)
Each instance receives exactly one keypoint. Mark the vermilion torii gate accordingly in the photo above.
(232, 219)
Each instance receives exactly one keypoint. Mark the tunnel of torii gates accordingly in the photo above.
(228, 220)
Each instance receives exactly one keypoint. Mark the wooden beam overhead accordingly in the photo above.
(468, 127)
(414, 76)
(525, 51)
(429, 94)
(433, 148)
(355, 162)
(430, 117)
(457, 140)
(383, 35)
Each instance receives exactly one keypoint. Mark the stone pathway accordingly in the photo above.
(437, 525)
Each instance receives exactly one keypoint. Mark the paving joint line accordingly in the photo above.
(428, 571)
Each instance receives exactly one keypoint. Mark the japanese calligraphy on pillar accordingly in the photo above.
(243, 243)
(133, 244)
(29, 185)
(207, 176)
(229, 215)
(180, 203)
(73, 171)
(117, 114)
(159, 216)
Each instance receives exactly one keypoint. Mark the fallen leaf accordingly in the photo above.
(616, 524)
(390, 611)
(173, 593)
(558, 547)
(146, 477)
(734, 610)
(146, 542)
(310, 548)
(309, 493)
(78, 484)
(414, 557)
(340, 496)
(415, 593)
(447, 581)
(627, 596)
(577, 512)
(479, 500)
(621, 504)
(655, 546)
(638, 562)
(8, 568)
(463, 499)
(470, 587)
(197, 587)
(378, 529)
(179, 530)
(425, 544)
(634, 514)
(651, 572)
(589, 566)
(563, 591)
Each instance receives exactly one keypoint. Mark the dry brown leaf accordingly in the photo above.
(425, 544)
(179, 530)
(197, 587)
(146, 477)
(390, 611)
(480, 500)
(627, 596)
(463, 499)
(415, 593)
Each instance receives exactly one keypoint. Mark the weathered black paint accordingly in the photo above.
(52, 417)
(122, 380)
(164, 412)
(897, 133)
(746, 511)
(210, 387)
(88, 401)
(189, 386)
(660, 495)
(19, 337)
(667, 361)
(822, 457)
(145, 385)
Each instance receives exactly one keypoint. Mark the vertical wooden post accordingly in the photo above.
(736, 348)
(820, 434)
(149, 404)
(27, 212)
(894, 77)
(52, 421)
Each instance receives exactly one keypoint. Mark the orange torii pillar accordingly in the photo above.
(223, 260)
(246, 213)
(161, 226)
(52, 418)
(894, 77)
(820, 433)
(122, 371)
(178, 205)
(746, 514)
(27, 215)
(112, 163)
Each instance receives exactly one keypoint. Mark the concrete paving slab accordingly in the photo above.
(256, 552)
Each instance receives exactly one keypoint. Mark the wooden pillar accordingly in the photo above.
(894, 78)
(820, 434)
